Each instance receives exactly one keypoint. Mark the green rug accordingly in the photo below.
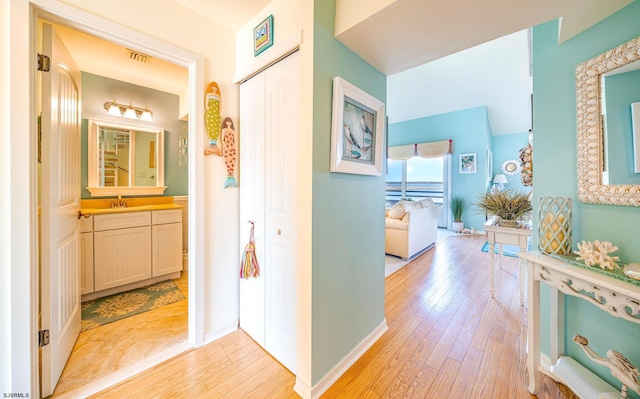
(115, 307)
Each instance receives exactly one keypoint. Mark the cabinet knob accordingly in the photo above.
(278, 232)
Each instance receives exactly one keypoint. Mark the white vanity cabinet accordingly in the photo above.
(122, 249)
(86, 255)
(126, 250)
(166, 241)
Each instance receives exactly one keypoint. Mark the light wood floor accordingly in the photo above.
(447, 339)
(107, 349)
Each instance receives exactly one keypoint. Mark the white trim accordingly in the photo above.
(339, 369)
(221, 332)
(24, 114)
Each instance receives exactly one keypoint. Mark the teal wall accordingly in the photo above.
(621, 90)
(96, 90)
(505, 147)
(554, 160)
(348, 214)
(470, 131)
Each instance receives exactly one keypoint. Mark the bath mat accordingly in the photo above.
(115, 307)
(507, 250)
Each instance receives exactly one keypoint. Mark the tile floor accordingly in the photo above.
(104, 350)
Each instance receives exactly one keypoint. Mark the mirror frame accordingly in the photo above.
(589, 128)
(92, 162)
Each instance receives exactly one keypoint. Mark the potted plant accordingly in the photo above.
(508, 206)
(457, 205)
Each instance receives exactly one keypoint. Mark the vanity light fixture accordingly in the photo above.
(128, 111)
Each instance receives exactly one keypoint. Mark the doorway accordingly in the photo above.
(194, 65)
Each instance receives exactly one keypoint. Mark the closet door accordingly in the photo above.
(268, 193)
(252, 202)
(282, 86)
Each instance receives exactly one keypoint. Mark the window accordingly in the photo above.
(415, 178)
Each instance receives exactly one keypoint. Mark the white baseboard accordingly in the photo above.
(221, 332)
(306, 392)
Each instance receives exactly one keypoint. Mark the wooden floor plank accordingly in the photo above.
(447, 338)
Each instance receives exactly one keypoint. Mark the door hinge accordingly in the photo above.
(44, 63)
(43, 338)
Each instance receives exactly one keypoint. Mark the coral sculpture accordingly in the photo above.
(597, 253)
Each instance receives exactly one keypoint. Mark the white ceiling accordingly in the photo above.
(408, 33)
(403, 35)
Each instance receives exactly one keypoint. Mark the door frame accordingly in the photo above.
(24, 203)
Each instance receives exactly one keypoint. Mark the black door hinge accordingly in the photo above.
(43, 338)
(44, 63)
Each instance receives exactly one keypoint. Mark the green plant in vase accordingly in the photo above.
(457, 205)
(508, 206)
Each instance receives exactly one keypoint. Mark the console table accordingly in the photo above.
(505, 235)
(617, 297)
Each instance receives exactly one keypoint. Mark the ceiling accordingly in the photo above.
(404, 34)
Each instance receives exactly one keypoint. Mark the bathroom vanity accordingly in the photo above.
(124, 248)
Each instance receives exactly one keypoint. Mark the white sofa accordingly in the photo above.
(411, 227)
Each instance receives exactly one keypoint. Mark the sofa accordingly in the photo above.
(411, 227)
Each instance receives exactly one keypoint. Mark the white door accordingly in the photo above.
(252, 180)
(60, 196)
(282, 86)
(268, 153)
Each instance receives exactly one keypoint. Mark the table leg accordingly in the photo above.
(500, 253)
(492, 288)
(533, 329)
(522, 276)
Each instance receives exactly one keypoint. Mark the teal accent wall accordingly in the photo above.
(96, 90)
(348, 214)
(555, 173)
(505, 147)
(470, 131)
(621, 91)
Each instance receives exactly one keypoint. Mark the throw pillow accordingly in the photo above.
(397, 211)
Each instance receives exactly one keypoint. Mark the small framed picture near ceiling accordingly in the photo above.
(263, 36)
(468, 163)
(357, 130)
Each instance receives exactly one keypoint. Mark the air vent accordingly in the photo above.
(138, 56)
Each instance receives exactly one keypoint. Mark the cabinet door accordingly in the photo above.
(121, 256)
(166, 248)
(86, 263)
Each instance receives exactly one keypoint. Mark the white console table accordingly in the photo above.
(619, 298)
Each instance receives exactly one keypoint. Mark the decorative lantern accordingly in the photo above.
(554, 228)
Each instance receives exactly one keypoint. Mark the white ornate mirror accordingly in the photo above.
(124, 159)
(593, 172)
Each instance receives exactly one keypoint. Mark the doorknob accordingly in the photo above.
(278, 232)
(80, 215)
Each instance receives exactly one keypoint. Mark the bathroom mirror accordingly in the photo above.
(124, 159)
(593, 168)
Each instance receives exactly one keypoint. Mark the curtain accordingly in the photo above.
(425, 150)
(435, 148)
(401, 152)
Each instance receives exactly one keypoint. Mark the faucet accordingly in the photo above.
(119, 202)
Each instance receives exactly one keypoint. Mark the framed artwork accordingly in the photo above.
(357, 130)
(468, 163)
(263, 36)
(489, 165)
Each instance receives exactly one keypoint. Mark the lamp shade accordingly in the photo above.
(130, 113)
(500, 178)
